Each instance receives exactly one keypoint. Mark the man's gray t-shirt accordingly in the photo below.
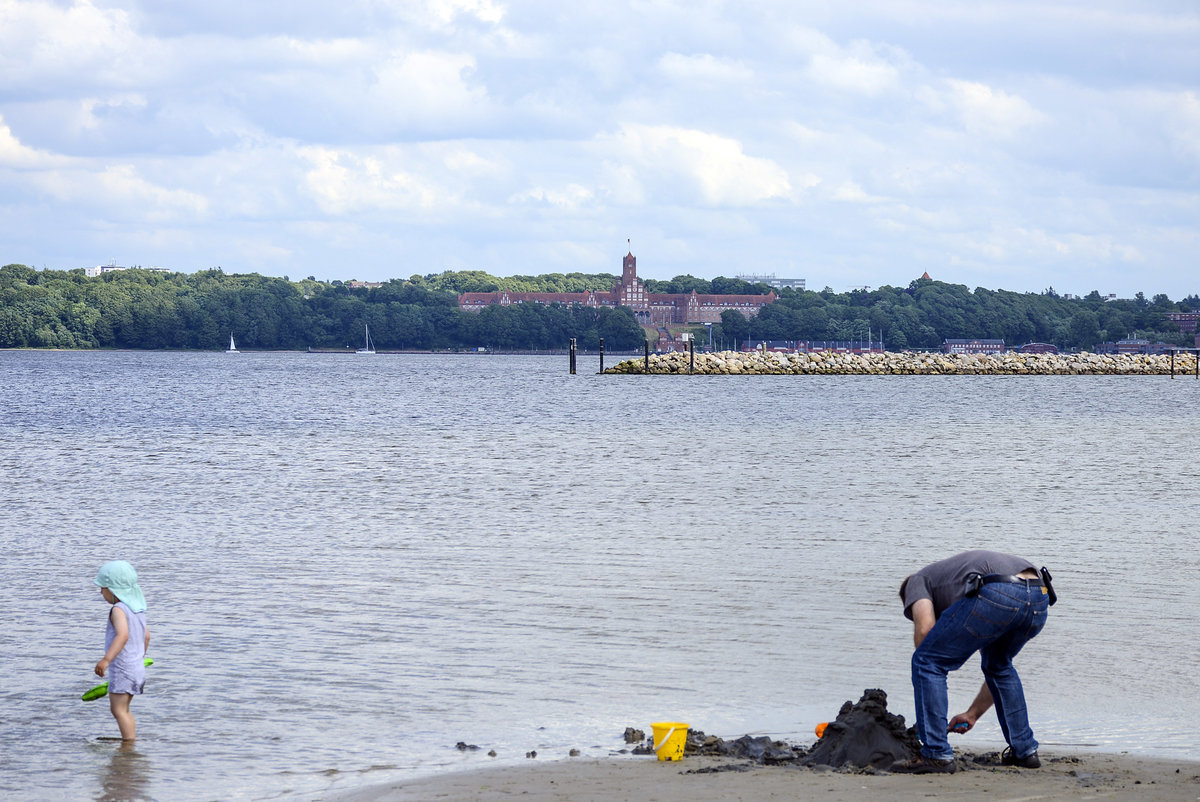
(944, 582)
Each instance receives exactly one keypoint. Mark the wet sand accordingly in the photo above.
(701, 779)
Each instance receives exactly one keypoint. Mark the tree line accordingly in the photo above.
(927, 312)
(147, 309)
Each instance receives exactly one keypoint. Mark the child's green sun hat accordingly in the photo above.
(121, 578)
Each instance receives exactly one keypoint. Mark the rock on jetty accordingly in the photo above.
(908, 364)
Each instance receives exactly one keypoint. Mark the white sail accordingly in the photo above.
(368, 348)
(232, 348)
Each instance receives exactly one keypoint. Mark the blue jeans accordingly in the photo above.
(997, 622)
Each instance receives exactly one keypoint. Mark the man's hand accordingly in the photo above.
(963, 722)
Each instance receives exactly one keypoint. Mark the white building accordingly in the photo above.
(92, 272)
(772, 281)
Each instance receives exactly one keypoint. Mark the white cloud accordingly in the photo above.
(1002, 244)
(704, 68)
(991, 112)
(715, 167)
(1183, 124)
(571, 197)
(860, 66)
(447, 11)
(427, 85)
(850, 192)
(852, 73)
(51, 44)
(342, 183)
(14, 154)
(461, 159)
(122, 191)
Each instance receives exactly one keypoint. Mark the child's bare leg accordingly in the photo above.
(118, 703)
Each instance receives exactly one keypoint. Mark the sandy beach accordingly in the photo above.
(703, 779)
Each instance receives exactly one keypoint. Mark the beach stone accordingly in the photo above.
(865, 735)
(633, 736)
(909, 364)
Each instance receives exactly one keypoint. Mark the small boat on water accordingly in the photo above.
(232, 348)
(368, 348)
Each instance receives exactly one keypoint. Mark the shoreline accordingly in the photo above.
(716, 779)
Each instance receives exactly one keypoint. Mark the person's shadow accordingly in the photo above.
(128, 775)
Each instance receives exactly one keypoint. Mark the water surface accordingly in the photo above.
(353, 563)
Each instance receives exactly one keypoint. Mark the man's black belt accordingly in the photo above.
(975, 581)
(1024, 580)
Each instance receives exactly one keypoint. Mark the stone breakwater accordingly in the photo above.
(911, 364)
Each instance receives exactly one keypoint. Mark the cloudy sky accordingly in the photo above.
(1014, 144)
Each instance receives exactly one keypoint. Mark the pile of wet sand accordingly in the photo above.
(863, 736)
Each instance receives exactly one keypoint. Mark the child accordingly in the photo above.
(126, 641)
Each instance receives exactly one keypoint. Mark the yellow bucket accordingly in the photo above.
(669, 739)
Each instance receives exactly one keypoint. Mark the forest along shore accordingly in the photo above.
(903, 364)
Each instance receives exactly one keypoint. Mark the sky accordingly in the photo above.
(1014, 144)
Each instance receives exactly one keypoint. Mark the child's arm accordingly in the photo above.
(121, 627)
(146, 650)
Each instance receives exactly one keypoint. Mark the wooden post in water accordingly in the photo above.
(572, 356)
(601, 354)
(647, 368)
(691, 355)
(1172, 363)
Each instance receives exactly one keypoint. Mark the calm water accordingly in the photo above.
(353, 563)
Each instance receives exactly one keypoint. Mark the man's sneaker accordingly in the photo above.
(923, 765)
(1007, 758)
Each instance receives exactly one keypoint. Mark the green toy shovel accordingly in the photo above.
(102, 688)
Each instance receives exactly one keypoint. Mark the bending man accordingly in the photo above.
(977, 601)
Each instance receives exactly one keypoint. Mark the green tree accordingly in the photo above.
(1084, 329)
(735, 325)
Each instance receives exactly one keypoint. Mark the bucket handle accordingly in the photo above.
(666, 738)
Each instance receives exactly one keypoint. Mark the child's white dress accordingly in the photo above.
(127, 672)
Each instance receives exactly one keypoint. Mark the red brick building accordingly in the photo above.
(651, 309)
(1186, 321)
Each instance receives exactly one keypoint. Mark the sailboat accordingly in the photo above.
(368, 348)
(232, 348)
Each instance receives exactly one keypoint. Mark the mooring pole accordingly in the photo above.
(1172, 363)
(691, 355)
(601, 354)
(572, 356)
(647, 345)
